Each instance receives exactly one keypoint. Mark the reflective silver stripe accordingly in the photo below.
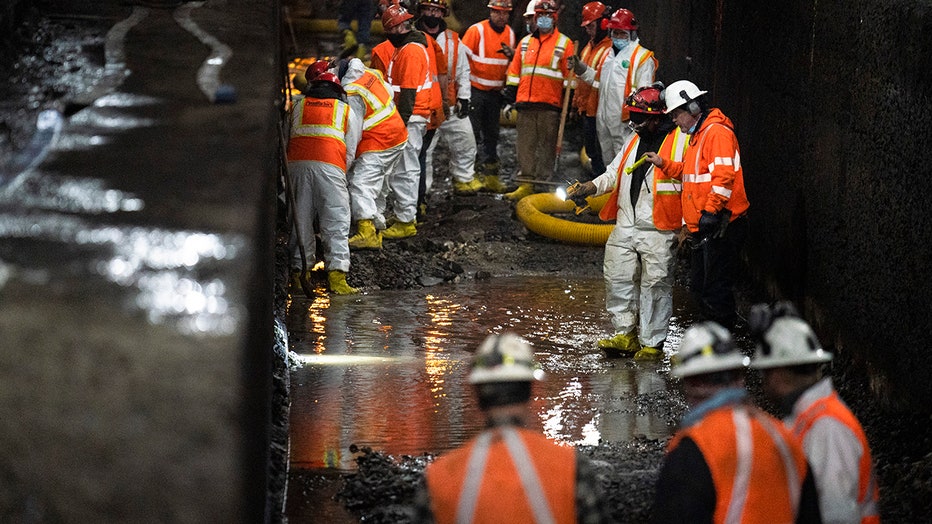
(744, 455)
(793, 485)
(719, 190)
(427, 84)
(490, 61)
(668, 186)
(485, 82)
(372, 101)
(697, 179)
(325, 131)
(724, 161)
(529, 479)
(469, 497)
(556, 74)
(558, 51)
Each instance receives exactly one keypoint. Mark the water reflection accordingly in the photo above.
(388, 369)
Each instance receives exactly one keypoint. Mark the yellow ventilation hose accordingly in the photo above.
(534, 211)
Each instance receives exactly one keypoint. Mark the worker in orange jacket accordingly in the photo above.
(489, 44)
(715, 204)
(791, 359)
(509, 472)
(537, 75)
(317, 168)
(728, 460)
(586, 96)
(639, 253)
(409, 74)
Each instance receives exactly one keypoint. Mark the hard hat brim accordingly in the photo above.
(818, 356)
(701, 366)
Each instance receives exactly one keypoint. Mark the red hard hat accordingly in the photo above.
(316, 69)
(646, 100)
(394, 15)
(545, 6)
(592, 12)
(500, 5)
(622, 19)
(440, 4)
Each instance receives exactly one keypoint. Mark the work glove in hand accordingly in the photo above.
(577, 65)
(578, 193)
(709, 225)
(509, 94)
(462, 107)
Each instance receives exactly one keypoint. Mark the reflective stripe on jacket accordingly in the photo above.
(318, 131)
(831, 406)
(487, 64)
(665, 197)
(409, 68)
(757, 466)
(586, 99)
(539, 68)
(710, 171)
(382, 127)
(495, 490)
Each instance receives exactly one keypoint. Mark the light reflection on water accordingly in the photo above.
(388, 369)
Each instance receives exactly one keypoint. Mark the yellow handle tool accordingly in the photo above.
(636, 165)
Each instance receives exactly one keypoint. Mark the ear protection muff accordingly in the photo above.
(691, 105)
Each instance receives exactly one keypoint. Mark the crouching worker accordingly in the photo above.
(509, 473)
(728, 461)
(317, 168)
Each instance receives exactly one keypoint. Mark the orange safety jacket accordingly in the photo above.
(487, 63)
(318, 131)
(586, 99)
(410, 68)
(382, 56)
(451, 52)
(832, 406)
(501, 495)
(710, 171)
(382, 126)
(438, 66)
(668, 210)
(539, 68)
(757, 466)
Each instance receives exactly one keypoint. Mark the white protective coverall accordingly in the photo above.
(638, 264)
(611, 130)
(320, 190)
(368, 172)
(456, 132)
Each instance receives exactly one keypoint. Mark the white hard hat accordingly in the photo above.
(530, 8)
(784, 339)
(682, 92)
(504, 358)
(706, 348)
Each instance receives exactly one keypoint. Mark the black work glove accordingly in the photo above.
(509, 94)
(462, 107)
(709, 224)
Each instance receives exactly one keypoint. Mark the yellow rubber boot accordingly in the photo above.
(349, 39)
(622, 344)
(467, 188)
(336, 280)
(493, 184)
(648, 353)
(400, 230)
(366, 237)
(522, 191)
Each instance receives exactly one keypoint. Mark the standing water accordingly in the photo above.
(388, 369)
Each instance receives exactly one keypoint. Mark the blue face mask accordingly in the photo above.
(545, 23)
(692, 129)
(620, 43)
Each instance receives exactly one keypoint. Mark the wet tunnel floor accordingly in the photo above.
(388, 369)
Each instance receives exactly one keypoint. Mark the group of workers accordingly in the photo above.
(729, 460)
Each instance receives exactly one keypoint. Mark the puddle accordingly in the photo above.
(388, 370)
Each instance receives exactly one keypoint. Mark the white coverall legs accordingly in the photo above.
(457, 134)
(638, 270)
(405, 178)
(320, 190)
(366, 178)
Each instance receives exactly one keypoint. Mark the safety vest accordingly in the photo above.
(832, 406)
(757, 466)
(450, 42)
(586, 99)
(487, 64)
(382, 126)
(667, 207)
(711, 172)
(437, 64)
(382, 56)
(505, 474)
(409, 68)
(539, 69)
(318, 131)
(638, 56)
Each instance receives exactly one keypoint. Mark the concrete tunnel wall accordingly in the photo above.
(832, 104)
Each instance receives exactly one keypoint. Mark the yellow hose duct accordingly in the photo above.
(534, 211)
